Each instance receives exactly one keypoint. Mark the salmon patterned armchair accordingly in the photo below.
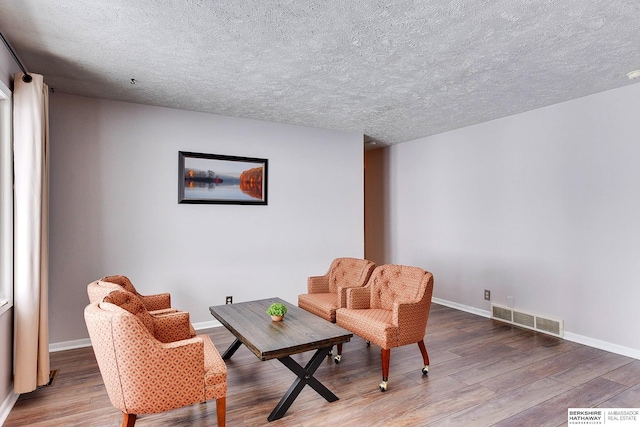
(390, 311)
(151, 302)
(329, 292)
(150, 364)
(99, 289)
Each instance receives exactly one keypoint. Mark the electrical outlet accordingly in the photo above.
(487, 294)
(229, 300)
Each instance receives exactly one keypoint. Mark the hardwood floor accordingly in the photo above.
(482, 373)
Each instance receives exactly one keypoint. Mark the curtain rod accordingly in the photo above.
(25, 76)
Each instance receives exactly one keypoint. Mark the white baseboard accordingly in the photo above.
(206, 325)
(462, 307)
(569, 336)
(85, 342)
(69, 345)
(602, 345)
(7, 405)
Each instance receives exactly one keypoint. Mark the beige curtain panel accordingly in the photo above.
(31, 233)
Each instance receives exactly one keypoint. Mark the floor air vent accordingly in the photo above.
(545, 324)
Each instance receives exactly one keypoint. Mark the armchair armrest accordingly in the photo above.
(169, 369)
(358, 298)
(342, 294)
(156, 302)
(196, 343)
(172, 327)
(318, 284)
(163, 311)
(411, 318)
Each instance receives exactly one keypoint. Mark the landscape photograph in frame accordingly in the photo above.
(221, 179)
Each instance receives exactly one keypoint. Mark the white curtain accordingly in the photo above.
(31, 233)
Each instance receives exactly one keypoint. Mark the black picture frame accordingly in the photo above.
(221, 179)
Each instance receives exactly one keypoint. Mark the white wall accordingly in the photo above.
(542, 206)
(114, 208)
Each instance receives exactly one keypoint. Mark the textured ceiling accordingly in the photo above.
(392, 70)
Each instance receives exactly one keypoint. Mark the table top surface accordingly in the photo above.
(298, 332)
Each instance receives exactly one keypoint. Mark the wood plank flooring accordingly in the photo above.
(482, 373)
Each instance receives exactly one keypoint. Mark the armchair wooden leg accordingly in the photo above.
(425, 357)
(339, 356)
(386, 357)
(129, 420)
(221, 411)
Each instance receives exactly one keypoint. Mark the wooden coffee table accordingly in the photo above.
(298, 332)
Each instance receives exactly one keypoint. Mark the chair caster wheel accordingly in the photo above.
(383, 386)
(368, 343)
(330, 353)
(337, 358)
(425, 370)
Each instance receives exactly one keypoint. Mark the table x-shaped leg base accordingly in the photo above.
(232, 349)
(305, 377)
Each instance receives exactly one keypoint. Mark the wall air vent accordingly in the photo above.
(501, 313)
(553, 327)
(536, 322)
(524, 319)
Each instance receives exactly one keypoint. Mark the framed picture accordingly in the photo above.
(215, 178)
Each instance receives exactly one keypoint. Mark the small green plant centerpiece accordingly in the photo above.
(277, 311)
